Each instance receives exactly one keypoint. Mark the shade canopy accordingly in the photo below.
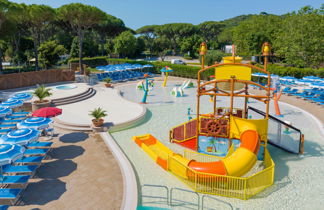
(4, 111)
(37, 123)
(12, 103)
(47, 112)
(21, 136)
(22, 96)
(166, 69)
(10, 153)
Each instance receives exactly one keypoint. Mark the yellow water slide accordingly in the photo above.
(236, 164)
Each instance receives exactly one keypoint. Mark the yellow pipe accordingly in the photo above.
(165, 79)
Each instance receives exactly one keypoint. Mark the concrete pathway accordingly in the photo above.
(82, 174)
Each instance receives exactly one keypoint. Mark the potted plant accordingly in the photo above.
(107, 82)
(98, 114)
(41, 93)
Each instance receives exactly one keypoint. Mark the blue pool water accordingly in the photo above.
(65, 87)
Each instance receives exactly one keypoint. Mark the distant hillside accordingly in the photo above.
(236, 20)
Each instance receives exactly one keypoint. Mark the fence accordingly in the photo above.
(228, 186)
(24, 79)
(280, 133)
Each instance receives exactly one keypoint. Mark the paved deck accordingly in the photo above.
(82, 174)
(118, 109)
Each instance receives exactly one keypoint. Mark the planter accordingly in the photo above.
(37, 104)
(108, 85)
(97, 123)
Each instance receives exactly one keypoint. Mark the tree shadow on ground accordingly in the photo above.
(66, 152)
(56, 169)
(43, 192)
(74, 137)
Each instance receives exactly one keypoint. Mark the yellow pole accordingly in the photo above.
(165, 79)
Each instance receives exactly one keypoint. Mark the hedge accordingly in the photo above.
(191, 71)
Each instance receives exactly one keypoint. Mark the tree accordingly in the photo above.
(109, 27)
(81, 18)
(210, 31)
(149, 34)
(160, 47)
(49, 53)
(191, 45)
(125, 44)
(38, 17)
(250, 34)
(7, 14)
(175, 33)
(300, 38)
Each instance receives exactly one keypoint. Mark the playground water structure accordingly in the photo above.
(289, 168)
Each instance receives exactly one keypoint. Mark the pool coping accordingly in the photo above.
(130, 186)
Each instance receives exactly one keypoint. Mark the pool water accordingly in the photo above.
(65, 87)
(292, 182)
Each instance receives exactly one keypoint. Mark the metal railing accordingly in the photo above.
(187, 200)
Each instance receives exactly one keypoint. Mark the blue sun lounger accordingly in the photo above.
(25, 169)
(30, 160)
(10, 195)
(4, 207)
(39, 144)
(19, 113)
(8, 125)
(4, 131)
(18, 181)
(36, 152)
(16, 117)
(10, 121)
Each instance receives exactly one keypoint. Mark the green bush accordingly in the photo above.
(213, 56)
(187, 57)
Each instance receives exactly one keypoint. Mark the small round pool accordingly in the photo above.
(65, 87)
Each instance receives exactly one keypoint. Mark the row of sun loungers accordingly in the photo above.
(15, 177)
(314, 95)
(121, 76)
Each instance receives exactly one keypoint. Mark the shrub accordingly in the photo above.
(42, 92)
(98, 113)
(187, 57)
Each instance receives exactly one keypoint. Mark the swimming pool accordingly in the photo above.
(65, 87)
(165, 111)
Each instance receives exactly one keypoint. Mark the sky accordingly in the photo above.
(137, 13)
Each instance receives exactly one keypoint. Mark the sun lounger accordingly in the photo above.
(18, 181)
(30, 160)
(9, 196)
(8, 125)
(4, 131)
(36, 152)
(3, 122)
(25, 169)
(16, 117)
(20, 113)
(39, 144)
(4, 207)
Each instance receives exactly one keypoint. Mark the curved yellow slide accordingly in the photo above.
(237, 164)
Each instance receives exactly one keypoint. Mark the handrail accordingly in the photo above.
(216, 199)
(184, 190)
(157, 186)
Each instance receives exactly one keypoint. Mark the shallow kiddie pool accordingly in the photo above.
(65, 87)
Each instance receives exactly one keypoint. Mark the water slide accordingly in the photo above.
(237, 164)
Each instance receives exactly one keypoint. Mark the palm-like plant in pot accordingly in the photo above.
(41, 93)
(107, 82)
(98, 114)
